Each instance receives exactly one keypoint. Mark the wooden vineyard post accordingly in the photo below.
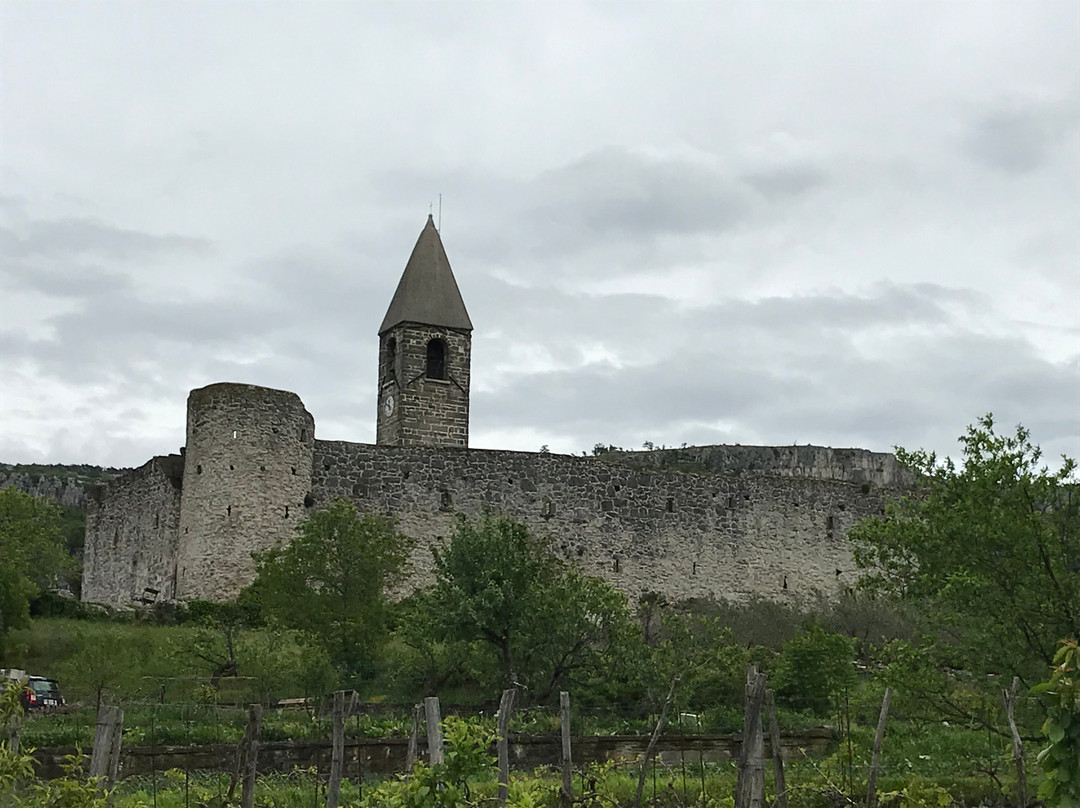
(249, 755)
(434, 730)
(1009, 697)
(875, 757)
(337, 750)
(749, 790)
(777, 751)
(414, 738)
(567, 791)
(653, 739)
(105, 757)
(506, 707)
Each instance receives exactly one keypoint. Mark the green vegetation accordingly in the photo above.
(31, 555)
(987, 553)
(331, 582)
(973, 578)
(1061, 757)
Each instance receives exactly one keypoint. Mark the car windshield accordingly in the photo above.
(44, 686)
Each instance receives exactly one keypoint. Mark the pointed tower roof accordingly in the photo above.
(427, 292)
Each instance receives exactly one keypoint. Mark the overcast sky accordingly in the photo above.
(760, 223)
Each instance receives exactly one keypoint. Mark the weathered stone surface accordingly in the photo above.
(132, 536)
(771, 525)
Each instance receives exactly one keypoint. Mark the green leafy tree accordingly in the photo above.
(331, 582)
(814, 668)
(988, 552)
(31, 555)
(497, 586)
(1061, 757)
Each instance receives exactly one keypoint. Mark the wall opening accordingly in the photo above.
(436, 359)
(616, 566)
(235, 433)
(157, 521)
(228, 510)
(198, 469)
(390, 356)
(446, 502)
(670, 507)
(693, 568)
(286, 511)
(303, 434)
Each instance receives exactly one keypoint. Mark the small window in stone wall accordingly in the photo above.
(286, 511)
(303, 434)
(115, 538)
(228, 510)
(235, 433)
(436, 359)
(616, 564)
(670, 507)
(830, 521)
(446, 502)
(390, 356)
(157, 521)
(198, 469)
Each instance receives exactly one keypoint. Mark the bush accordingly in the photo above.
(813, 668)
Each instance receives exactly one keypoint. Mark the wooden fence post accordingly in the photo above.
(249, 755)
(434, 731)
(109, 724)
(337, 750)
(750, 786)
(567, 791)
(653, 739)
(114, 749)
(777, 751)
(875, 757)
(1009, 697)
(414, 737)
(506, 707)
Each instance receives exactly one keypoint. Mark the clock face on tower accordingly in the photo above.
(388, 404)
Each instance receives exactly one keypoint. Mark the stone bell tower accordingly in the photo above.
(425, 345)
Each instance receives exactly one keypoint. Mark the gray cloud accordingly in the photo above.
(61, 238)
(693, 222)
(1018, 138)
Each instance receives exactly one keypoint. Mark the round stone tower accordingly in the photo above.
(247, 472)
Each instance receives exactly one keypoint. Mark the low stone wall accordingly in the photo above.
(382, 757)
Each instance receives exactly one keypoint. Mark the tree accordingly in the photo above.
(31, 554)
(496, 585)
(988, 552)
(331, 582)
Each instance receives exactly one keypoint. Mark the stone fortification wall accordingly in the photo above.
(132, 533)
(807, 462)
(683, 534)
(246, 477)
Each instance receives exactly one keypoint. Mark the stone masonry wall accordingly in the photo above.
(132, 527)
(428, 412)
(682, 534)
(812, 462)
(246, 477)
